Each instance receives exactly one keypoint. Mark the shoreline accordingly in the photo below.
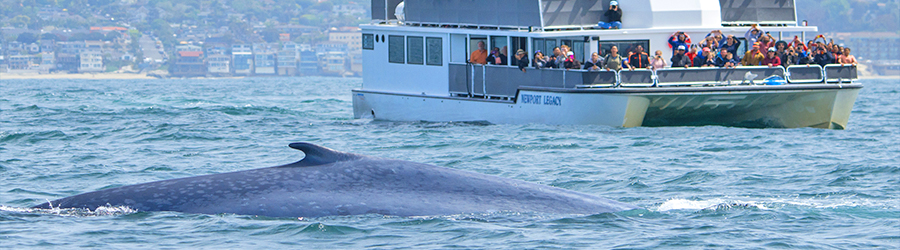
(98, 76)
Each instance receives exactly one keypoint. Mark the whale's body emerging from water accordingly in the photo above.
(327, 182)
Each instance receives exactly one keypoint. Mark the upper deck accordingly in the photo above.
(568, 14)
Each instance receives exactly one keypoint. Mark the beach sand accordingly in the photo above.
(99, 76)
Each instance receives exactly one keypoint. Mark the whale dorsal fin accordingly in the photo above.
(318, 155)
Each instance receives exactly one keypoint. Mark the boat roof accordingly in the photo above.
(556, 14)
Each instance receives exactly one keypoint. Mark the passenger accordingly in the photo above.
(710, 60)
(521, 59)
(639, 59)
(594, 63)
(823, 58)
(729, 61)
(772, 58)
(766, 41)
(540, 61)
(613, 61)
(657, 61)
(503, 55)
(847, 58)
(753, 57)
(717, 36)
(785, 53)
(560, 57)
(691, 55)
(709, 42)
(571, 62)
(480, 55)
(679, 38)
(553, 61)
(753, 34)
(700, 58)
(679, 59)
(495, 58)
(626, 63)
(720, 58)
(613, 17)
(731, 44)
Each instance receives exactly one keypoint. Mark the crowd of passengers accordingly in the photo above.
(715, 50)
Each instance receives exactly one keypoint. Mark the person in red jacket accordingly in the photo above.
(772, 59)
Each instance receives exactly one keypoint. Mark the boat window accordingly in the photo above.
(517, 44)
(549, 45)
(742, 49)
(544, 45)
(396, 49)
(368, 41)
(416, 51)
(499, 42)
(624, 46)
(434, 47)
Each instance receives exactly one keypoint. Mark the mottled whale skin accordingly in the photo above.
(328, 182)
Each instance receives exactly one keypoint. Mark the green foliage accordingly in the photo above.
(27, 37)
(20, 21)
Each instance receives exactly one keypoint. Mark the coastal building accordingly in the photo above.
(264, 62)
(350, 36)
(242, 59)
(33, 48)
(333, 63)
(73, 47)
(218, 65)
(188, 64)
(309, 62)
(188, 47)
(91, 61)
(66, 62)
(48, 62)
(288, 59)
(48, 45)
(20, 62)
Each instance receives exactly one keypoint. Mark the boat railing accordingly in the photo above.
(840, 73)
(502, 82)
(712, 75)
(805, 74)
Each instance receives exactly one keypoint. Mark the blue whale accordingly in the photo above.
(327, 182)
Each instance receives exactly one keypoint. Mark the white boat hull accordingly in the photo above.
(789, 106)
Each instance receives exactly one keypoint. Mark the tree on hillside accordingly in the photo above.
(27, 37)
(20, 21)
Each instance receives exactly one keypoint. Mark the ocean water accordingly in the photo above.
(698, 187)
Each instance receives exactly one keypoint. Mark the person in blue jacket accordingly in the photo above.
(679, 39)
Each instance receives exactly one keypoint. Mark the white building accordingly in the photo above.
(91, 61)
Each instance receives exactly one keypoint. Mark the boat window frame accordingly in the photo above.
(410, 48)
(392, 49)
(622, 51)
(368, 41)
(438, 54)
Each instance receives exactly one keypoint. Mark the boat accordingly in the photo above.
(415, 66)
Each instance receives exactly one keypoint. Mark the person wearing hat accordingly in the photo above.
(753, 57)
(772, 58)
(521, 59)
(571, 62)
(679, 59)
(613, 17)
